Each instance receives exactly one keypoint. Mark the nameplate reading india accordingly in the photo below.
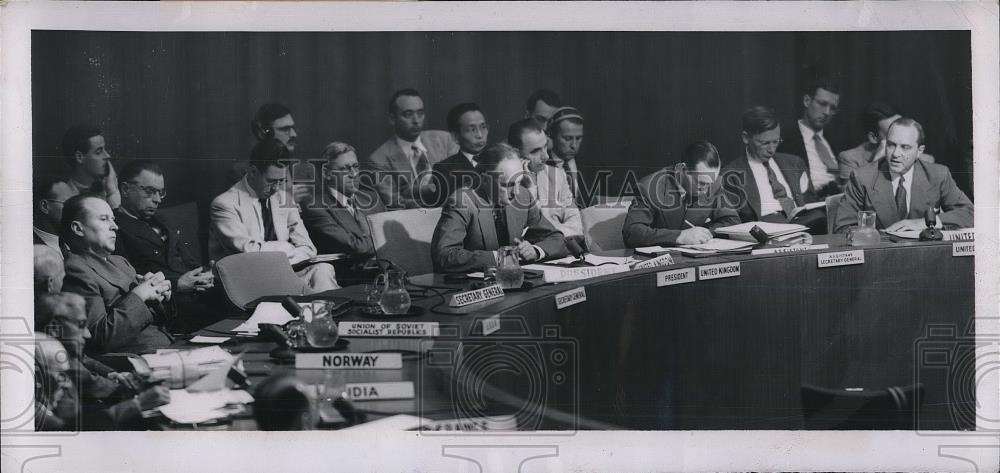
(721, 270)
(388, 329)
(677, 276)
(840, 258)
(479, 295)
(379, 391)
(348, 361)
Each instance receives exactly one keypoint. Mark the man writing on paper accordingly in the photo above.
(902, 187)
(250, 217)
(498, 212)
(679, 205)
(764, 185)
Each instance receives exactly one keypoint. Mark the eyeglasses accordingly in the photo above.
(55, 201)
(151, 191)
(765, 144)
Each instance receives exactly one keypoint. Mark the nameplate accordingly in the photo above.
(348, 361)
(469, 424)
(379, 391)
(463, 299)
(571, 297)
(840, 258)
(662, 260)
(721, 270)
(388, 329)
(677, 276)
(969, 234)
(788, 249)
(491, 324)
(963, 249)
(576, 274)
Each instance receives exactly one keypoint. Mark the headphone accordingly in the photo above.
(259, 130)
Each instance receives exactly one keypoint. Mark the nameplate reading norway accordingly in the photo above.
(348, 361)
(388, 329)
(840, 258)
(478, 295)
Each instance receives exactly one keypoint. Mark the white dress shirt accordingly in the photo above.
(818, 171)
(407, 148)
(768, 204)
(471, 158)
(907, 184)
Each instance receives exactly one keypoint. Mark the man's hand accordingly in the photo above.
(425, 182)
(910, 224)
(694, 236)
(153, 397)
(152, 287)
(196, 280)
(526, 252)
(283, 246)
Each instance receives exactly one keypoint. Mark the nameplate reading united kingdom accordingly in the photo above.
(571, 297)
(840, 258)
(963, 249)
(379, 391)
(662, 260)
(677, 276)
(388, 329)
(789, 249)
(478, 295)
(721, 270)
(968, 234)
(348, 361)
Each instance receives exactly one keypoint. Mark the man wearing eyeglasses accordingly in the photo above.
(468, 126)
(254, 216)
(765, 185)
(339, 224)
(50, 193)
(820, 103)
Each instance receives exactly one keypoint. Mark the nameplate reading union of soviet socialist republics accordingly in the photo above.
(388, 329)
(348, 361)
(677, 276)
(379, 391)
(477, 295)
(840, 258)
(721, 270)
(963, 249)
(571, 297)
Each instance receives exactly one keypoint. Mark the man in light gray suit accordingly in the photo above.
(403, 163)
(250, 217)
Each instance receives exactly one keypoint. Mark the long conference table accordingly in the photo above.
(672, 348)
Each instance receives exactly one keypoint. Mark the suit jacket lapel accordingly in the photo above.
(484, 217)
(103, 268)
(516, 220)
(920, 190)
(750, 186)
(398, 158)
(882, 198)
(139, 229)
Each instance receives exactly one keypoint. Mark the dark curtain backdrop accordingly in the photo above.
(185, 99)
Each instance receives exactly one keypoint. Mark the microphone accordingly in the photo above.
(931, 233)
(577, 251)
(289, 304)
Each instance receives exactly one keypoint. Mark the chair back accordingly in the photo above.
(602, 226)
(832, 205)
(404, 237)
(247, 277)
(892, 408)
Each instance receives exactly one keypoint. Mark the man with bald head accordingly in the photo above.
(122, 306)
(902, 187)
(49, 271)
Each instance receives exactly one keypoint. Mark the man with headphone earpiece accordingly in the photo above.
(274, 120)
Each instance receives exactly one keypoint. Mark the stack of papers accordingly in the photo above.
(595, 260)
(264, 313)
(180, 368)
(742, 231)
(192, 408)
(327, 257)
(711, 247)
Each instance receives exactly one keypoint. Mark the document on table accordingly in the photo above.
(720, 244)
(742, 231)
(909, 234)
(191, 408)
(265, 313)
(595, 260)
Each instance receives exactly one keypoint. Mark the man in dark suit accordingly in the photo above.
(541, 104)
(468, 127)
(679, 205)
(565, 130)
(876, 120)
(764, 185)
(153, 244)
(403, 163)
(902, 187)
(820, 103)
(49, 194)
(339, 223)
(122, 306)
(498, 212)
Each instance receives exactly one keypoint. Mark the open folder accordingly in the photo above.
(742, 231)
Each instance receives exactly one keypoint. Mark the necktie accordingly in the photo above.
(570, 178)
(901, 208)
(824, 153)
(500, 221)
(778, 190)
(265, 212)
(420, 159)
(352, 206)
(158, 230)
